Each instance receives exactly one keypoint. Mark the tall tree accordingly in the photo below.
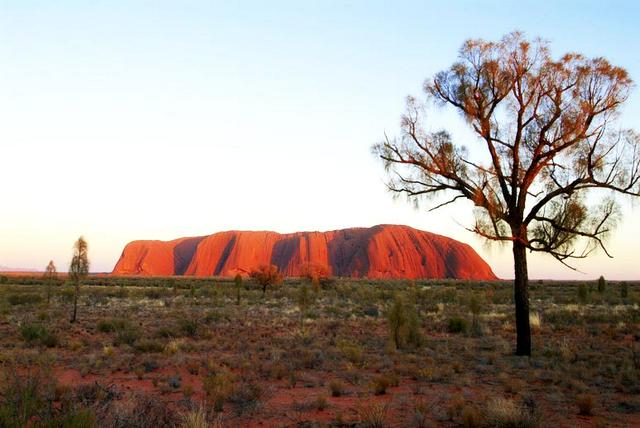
(549, 156)
(50, 275)
(78, 269)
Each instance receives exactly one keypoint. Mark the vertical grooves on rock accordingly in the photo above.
(384, 251)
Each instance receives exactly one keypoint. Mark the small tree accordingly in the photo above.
(602, 284)
(267, 275)
(78, 269)
(50, 276)
(238, 283)
(475, 307)
(583, 293)
(304, 300)
(404, 323)
(316, 274)
(397, 319)
(548, 159)
(624, 290)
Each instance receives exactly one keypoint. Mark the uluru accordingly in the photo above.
(378, 252)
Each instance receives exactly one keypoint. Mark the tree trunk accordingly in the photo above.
(75, 302)
(521, 298)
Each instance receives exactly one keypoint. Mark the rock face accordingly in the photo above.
(384, 251)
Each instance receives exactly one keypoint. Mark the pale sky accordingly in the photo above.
(123, 120)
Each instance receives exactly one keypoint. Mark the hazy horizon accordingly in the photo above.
(160, 120)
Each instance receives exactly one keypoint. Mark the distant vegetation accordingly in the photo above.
(171, 351)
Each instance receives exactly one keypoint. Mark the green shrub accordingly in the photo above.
(24, 299)
(624, 290)
(217, 388)
(26, 401)
(31, 332)
(352, 351)
(237, 281)
(189, 327)
(82, 418)
(245, 398)
(148, 346)
(380, 385)
(66, 294)
(127, 334)
(49, 339)
(403, 324)
(111, 325)
(457, 325)
(397, 319)
(602, 284)
(153, 293)
(166, 332)
(583, 293)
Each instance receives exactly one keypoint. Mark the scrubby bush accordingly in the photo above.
(31, 332)
(154, 293)
(126, 334)
(37, 332)
(142, 410)
(245, 398)
(585, 403)
(196, 418)
(583, 293)
(111, 325)
(317, 275)
(24, 299)
(505, 413)
(403, 324)
(352, 351)
(188, 326)
(475, 307)
(217, 388)
(373, 415)
(457, 325)
(26, 398)
(267, 275)
(602, 284)
(471, 417)
(304, 300)
(238, 284)
(148, 346)
(337, 388)
(380, 385)
(624, 290)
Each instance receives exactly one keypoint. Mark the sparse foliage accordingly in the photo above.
(583, 293)
(316, 274)
(624, 290)
(237, 281)
(78, 269)
(50, 276)
(267, 275)
(548, 127)
(304, 300)
(404, 324)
